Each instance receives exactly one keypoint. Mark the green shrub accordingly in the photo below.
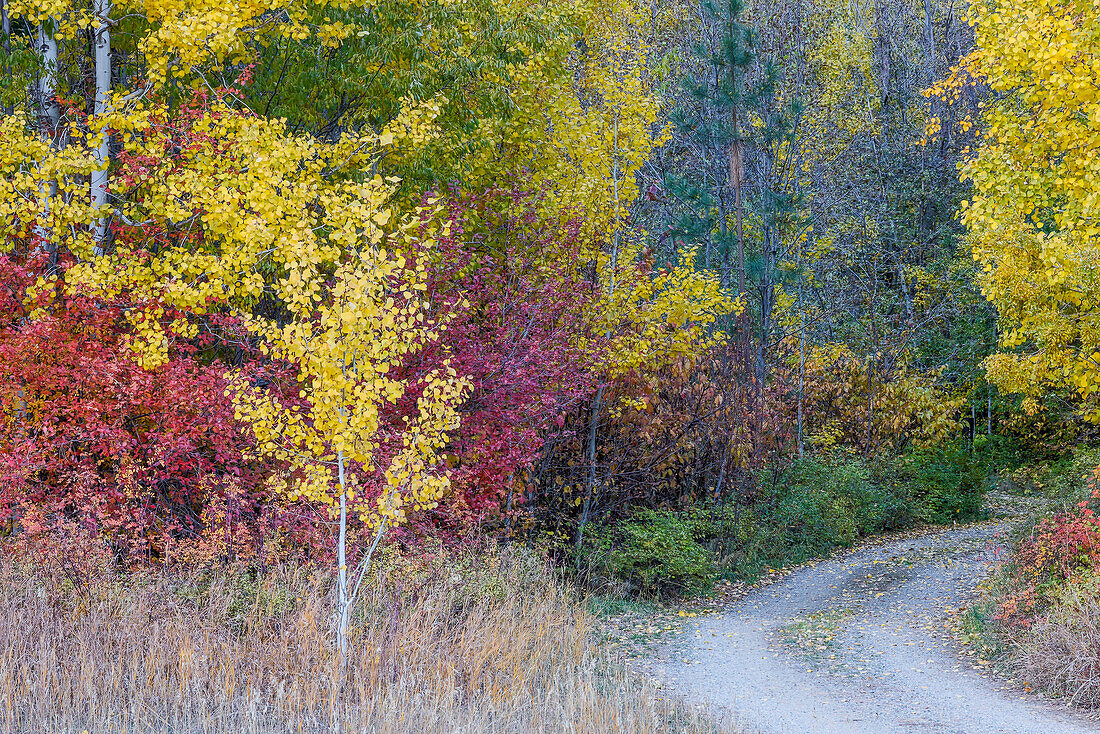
(811, 509)
(947, 483)
(806, 511)
(743, 547)
(1001, 453)
(821, 505)
(655, 551)
(1063, 478)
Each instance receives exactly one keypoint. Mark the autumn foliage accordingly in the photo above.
(515, 332)
(154, 460)
(93, 441)
(241, 304)
(1063, 548)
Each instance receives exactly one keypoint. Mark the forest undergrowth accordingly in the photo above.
(673, 292)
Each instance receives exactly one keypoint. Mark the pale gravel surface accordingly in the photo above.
(858, 644)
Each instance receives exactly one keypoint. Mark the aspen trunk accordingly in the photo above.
(98, 179)
(342, 562)
(47, 83)
(5, 44)
(49, 117)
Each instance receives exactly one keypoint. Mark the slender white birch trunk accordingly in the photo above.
(5, 45)
(47, 83)
(98, 182)
(49, 117)
(342, 561)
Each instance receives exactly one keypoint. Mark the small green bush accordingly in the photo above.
(1001, 453)
(742, 545)
(802, 512)
(1061, 479)
(826, 505)
(947, 483)
(820, 505)
(811, 509)
(656, 552)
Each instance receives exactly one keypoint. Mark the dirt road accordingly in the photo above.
(858, 644)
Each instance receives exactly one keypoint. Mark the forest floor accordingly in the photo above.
(862, 642)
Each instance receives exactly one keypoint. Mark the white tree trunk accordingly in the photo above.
(102, 96)
(49, 117)
(5, 45)
(47, 84)
(344, 602)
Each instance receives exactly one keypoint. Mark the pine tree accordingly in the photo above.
(741, 201)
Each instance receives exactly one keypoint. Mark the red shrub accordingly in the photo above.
(1058, 550)
(88, 437)
(516, 324)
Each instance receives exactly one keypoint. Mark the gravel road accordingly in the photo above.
(859, 644)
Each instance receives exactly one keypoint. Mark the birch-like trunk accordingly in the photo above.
(47, 84)
(98, 182)
(341, 559)
(49, 118)
(5, 45)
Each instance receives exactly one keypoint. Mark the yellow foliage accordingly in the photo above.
(245, 198)
(234, 207)
(584, 141)
(653, 319)
(28, 163)
(904, 404)
(843, 61)
(1034, 218)
(348, 333)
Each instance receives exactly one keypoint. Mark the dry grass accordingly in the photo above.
(473, 645)
(1061, 652)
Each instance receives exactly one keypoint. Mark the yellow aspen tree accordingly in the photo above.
(1034, 217)
(346, 334)
(262, 206)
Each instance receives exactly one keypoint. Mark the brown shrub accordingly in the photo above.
(463, 644)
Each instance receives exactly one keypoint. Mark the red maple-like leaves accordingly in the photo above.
(515, 332)
(91, 438)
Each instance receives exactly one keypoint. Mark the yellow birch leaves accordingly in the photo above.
(346, 336)
(1034, 218)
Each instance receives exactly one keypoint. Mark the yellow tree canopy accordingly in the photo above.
(1034, 218)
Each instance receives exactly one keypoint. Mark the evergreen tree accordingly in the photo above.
(742, 206)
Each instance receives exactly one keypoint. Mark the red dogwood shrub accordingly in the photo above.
(89, 439)
(1058, 550)
(515, 329)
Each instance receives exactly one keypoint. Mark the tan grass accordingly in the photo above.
(1060, 654)
(476, 645)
